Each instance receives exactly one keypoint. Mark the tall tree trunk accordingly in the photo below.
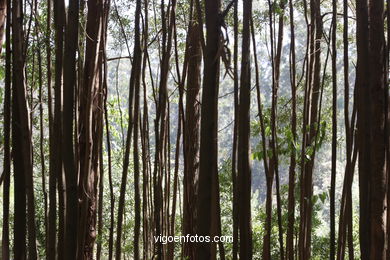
(207, 217)
(291, 181)
(161, 126)
(378, 181)
(147, 214)
(103, 90)
(137, 196)
(235, 134)
(71, 176)
(90, 127)
(332, 248)
(134, 82)
(191, 134)
(41, 144)
(56, 175)
(23, 146)
(244, 165)
(311, 140)
(345, 222)
(363, 123)
(7, 132)
(266, 253)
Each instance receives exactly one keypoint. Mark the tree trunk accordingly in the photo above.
(191, 135)
(7, 132)
(23, 146)
(90, 129)
(378, 181)
(332, 248)
(244, 164)
(134, 83)
(311, 141)
(291, 181)
(71, 176)
(56, 166)
(235, 134)
(363, 123)
(207, 218)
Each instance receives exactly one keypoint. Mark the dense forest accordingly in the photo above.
(125, 124)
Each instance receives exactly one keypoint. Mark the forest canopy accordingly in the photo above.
(259, 126)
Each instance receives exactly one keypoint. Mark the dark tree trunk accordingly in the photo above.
(22, 151)
(363, 123)
(134, 83)
(235, 134)
(56, 175)
(90, 129)
(162, 129)
(292, 168)
(191, 135)
(311, 139)
(378, 183)
(68, 151)
(137, 196)
(244, 167)
(332, 248)
(207, 217)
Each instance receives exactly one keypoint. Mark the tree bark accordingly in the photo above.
(7, 138)
(23, 147)
(191, 134)
(291, 181)
(363, 123)
(207, 218)
(244, 164)
(378, 181)
(332, 248)
(134, 83)
(68, 151)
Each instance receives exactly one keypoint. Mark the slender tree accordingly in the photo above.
(56, 174)
(235, 129)
(207, 217)
(334, 135)
(244, 165)
(22, 148)
(134, 82)
(68, 151)
(7, 138)
(292, 170)
(191, 135)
